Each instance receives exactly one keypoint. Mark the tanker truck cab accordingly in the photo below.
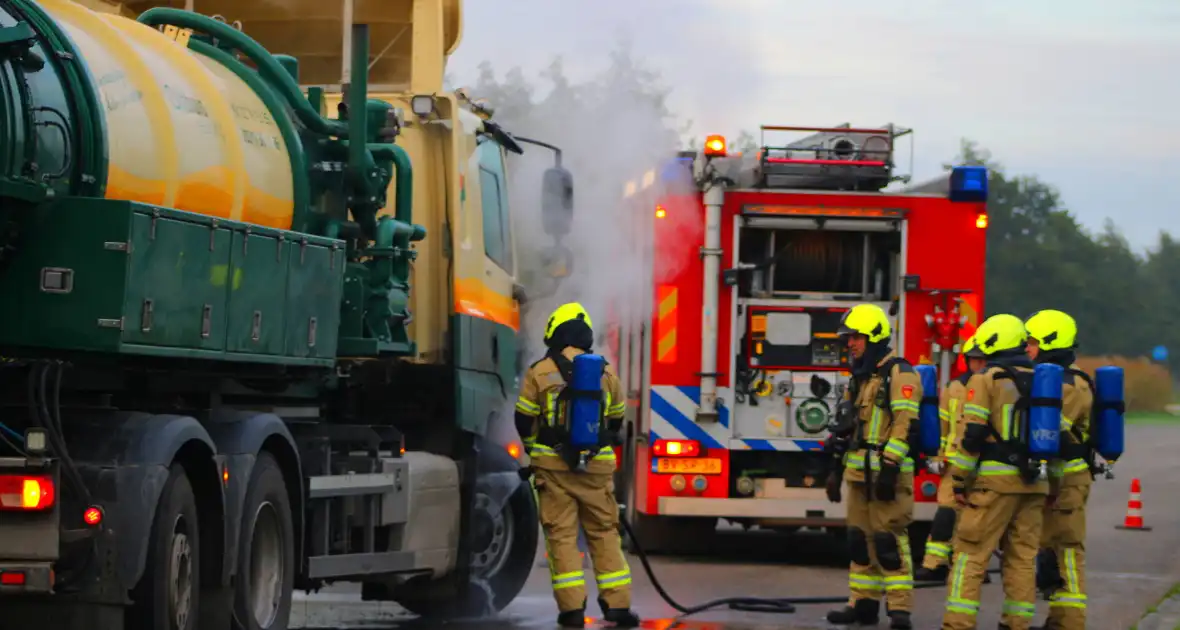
(468, 203)
(258, 320)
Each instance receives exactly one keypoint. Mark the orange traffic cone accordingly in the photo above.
(1134, 519)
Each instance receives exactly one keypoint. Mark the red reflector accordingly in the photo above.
(12, 578)
(23, 492)
(92, 516)
(676, 448)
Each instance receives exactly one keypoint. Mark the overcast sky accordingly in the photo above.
(1083, 93)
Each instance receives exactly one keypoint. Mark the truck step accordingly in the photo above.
(360, 564)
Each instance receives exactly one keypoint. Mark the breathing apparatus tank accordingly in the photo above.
(585, 405)
(1108, 421)
(1044, 414)
(929, 425)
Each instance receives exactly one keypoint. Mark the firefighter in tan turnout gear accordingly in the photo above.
(1003, 507)
(568, 492)
(1052, 338)
(950, 407)
(871, 433)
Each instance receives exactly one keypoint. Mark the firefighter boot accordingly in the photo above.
(900, 620)
(620, 617)
(865, 613)
(572, 619)
(939, 574)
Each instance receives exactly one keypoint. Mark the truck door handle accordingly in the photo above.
(496, 349)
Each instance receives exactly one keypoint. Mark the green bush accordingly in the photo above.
(1148, 385)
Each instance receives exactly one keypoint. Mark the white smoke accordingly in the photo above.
(613, 128)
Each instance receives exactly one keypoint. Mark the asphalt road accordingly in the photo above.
(1128, 570)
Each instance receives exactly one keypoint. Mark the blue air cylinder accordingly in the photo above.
(585, 414)
(929, 426)
(1108, 431)
(1044, 414)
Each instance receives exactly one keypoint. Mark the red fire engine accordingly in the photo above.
(732, 359)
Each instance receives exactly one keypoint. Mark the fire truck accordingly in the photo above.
(731, 356)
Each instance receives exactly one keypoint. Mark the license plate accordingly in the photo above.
(693, 466)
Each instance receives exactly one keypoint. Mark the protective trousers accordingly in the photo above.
(879, 544)
(1065, 534)
(992, 519)
(942, 530)
(566, 499)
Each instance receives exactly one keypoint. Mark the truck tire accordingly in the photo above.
(504, 551)
(168, 594)
(504, 547)
(266, 557)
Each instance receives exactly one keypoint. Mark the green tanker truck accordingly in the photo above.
(217, 384)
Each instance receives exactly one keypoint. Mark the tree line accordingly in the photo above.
(1039, 256)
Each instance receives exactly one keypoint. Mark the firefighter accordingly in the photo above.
(874, 420)
(950, 406)
(569, 493)
(1052, 338)
(1005, 502)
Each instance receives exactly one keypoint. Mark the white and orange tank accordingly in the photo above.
(183, 131)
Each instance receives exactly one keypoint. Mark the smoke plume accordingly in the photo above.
(613, 128)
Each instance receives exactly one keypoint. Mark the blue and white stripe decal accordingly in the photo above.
(674, 407)
(779, 444)
(672, 411)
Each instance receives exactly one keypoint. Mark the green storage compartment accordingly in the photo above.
(64, 288)
(117, 276)
(315, 288)
(175, 283)
(257, 296)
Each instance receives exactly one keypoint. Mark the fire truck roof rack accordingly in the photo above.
(831, 158)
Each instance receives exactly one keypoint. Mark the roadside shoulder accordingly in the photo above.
(1163, 616)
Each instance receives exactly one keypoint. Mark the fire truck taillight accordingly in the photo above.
(661, 212)
(26, 493)
(981, 220)
(715, 146)
(676, 448)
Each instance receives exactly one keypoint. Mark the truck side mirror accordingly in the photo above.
(557, 201)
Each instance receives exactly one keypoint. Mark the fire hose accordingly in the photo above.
(779, 605)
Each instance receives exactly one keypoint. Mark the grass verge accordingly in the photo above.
(1172, 592)
(1151, 417)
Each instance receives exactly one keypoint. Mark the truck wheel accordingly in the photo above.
(504, 544)
(503, 547)
(266, 558)
(167, 597)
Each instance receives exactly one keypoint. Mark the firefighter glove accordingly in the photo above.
(960, 491)
(614, 431)
(835, 480)
(886, 489)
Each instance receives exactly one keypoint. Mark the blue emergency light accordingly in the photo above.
(969, 183)
(677, 171)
